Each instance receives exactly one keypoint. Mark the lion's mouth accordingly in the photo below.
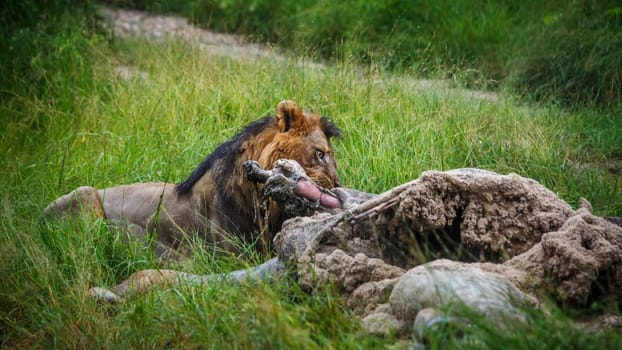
(294, 177)
(312, 192)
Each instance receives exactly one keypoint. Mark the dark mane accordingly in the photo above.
(228, 149)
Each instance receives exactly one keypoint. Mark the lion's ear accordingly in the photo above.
(289, 116)
(330, 129)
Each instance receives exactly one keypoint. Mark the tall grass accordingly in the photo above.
(558, 50)
(575, 56)
(90, 126)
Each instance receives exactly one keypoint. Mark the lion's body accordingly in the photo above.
(216, 198)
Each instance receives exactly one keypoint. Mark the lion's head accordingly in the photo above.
(305, 138)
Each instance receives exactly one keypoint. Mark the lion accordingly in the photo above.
(216, 200)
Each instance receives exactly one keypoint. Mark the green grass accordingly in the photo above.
(87, 126)
(567, 51)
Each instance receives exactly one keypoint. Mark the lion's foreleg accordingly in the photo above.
(143, 281)
(83, 200)
(139, 282)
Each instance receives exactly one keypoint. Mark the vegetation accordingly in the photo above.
(69, 119)
(566, 51)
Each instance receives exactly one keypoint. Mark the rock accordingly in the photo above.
(430, 318)
(580, 262)
(444, 283)
(602, 323)
(526, 239)
(584, 258)
(466, 214)
(369, 295)
(469, 215)
(381, 322)
(425, 319)
(350, 272)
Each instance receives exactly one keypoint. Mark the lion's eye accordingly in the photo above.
(320, 155)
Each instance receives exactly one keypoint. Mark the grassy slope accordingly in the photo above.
(158, 128)
(563, 50)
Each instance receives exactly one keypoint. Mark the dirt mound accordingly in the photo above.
(508, 238)
(581, 262)
(468, 215)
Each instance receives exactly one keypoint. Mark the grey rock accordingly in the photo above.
(381, 323)
(443, 283)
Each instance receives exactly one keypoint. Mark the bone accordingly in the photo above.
(297, 178)
(254, 172)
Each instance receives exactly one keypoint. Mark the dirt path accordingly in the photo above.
(131, 23)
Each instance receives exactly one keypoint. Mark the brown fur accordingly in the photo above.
(216, 199)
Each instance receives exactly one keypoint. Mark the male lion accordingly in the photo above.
(216, 198)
